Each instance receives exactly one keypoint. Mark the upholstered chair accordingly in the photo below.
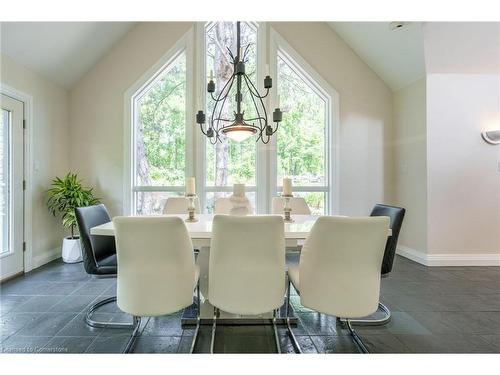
(157, 273)
(396, 216)
(179, 205)
(247, 266)
(339, 269)
(99, 256)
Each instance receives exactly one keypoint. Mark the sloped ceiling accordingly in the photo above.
(61, 51)
(396, 56)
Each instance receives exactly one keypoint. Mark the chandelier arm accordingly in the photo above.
(259, 116)
(254, 91)
(223, 119)
(203, 131)
(261, 101)
(218, 103)
(220, 112)
(219, 97)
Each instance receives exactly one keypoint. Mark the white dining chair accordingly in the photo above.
(179, 205)
(157, 273)
(298, 205)
(339, 269)
(247, 267)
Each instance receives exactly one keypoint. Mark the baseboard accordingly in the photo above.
(46, 257)
(412, 254)
(449, 260)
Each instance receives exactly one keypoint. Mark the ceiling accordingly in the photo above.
(462, 47)
(61, 51)
(396, 56)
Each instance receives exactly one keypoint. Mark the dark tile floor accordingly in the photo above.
(435, 310)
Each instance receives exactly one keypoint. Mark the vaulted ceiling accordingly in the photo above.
(65, 51)
(395, 54)
(61, 51)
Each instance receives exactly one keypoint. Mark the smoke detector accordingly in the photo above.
(396, 25)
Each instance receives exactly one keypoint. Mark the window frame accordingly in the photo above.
(331, 97)
(261, 184)
(150, 77)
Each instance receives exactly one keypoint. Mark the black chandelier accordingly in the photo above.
(239, 128)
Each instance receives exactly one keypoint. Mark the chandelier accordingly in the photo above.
(239, 127)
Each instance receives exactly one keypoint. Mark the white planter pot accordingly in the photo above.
(71, 250)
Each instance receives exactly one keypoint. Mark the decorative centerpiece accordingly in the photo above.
(191, 196)
(287, 195)
(240, 203)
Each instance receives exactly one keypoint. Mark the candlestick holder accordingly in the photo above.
(287, 209)
(191, 208)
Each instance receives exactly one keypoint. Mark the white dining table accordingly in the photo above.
(201, 233)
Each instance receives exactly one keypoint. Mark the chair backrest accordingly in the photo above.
(396, 214)
(94, 248)
(247, 264)
(179, 205)
(298, 205)
(339, 268)
(156, 268)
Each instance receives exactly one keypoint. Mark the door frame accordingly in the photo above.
(27, 101)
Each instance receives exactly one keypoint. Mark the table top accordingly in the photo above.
(202, 229)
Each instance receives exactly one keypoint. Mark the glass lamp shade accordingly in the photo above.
(239, 133)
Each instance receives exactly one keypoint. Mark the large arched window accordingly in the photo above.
(164, 144)
(305, 142)
(159, 167)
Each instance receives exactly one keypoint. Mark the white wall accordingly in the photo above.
(50, 151)
(410, 167)
(463, 170)
(365, 109)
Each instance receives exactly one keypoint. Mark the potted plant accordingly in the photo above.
(65, 195)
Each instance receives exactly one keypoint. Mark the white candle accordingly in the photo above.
(239, 190)
(287, 186)
(278, 102)
(190, 186)
(267, 69)
(211, 75)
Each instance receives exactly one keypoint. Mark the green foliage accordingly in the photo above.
(65, 195)
(301, 137)
(162, 114)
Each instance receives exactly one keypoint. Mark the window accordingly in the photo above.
(229, 162)
(303, 140)
(160, 138)
(161, 110)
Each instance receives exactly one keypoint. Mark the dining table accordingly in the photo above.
(200, 232)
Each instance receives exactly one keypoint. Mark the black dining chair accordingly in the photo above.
(99, 256)
(396, 215)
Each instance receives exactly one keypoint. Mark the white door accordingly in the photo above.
(11, 187)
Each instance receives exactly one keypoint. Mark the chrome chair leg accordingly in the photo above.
(195, 338)
(214, 327)
(295, 343)
(131, 342)
(97, 324)
(276, 337)
(359, 343)
(374, 322)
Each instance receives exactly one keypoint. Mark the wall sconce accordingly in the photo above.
(492, 137)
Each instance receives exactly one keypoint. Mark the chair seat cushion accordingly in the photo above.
(107, 266)
(293, 274)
